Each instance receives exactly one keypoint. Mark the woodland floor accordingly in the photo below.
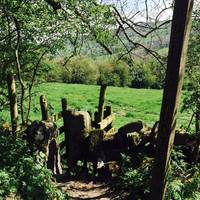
(87, 188)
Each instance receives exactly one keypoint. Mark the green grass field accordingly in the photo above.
(128, 104)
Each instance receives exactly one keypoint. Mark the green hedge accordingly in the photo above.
(105, 70)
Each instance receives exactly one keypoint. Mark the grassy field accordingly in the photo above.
(128, 104)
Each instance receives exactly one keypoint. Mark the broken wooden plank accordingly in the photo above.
(107, 121)
(111, 132)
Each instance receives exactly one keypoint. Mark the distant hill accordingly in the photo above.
(158, 40)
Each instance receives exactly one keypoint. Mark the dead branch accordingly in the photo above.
(31, 85)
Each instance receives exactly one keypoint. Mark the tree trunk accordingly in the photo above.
(173, 85)
(197, 127)
(13, 102)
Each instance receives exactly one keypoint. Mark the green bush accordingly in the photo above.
(183, 182)
(7, 184)
(21, 174)
(50, 71)
(142, 75)
(183, 179)
(80, 70)
(113, 72)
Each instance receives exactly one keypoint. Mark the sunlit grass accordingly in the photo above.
(128, 104)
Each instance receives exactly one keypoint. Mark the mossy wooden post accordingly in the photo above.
(65, 122)
(101, 102)
(107, 112)
(96, 116)
(13, 102)
(180, 30)
(44, 107)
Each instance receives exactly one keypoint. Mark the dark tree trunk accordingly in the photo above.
(13, 102)
(173, 85)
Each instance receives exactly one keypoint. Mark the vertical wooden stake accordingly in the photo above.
(107, 112)
(181, 25)
(65, 122)
(101, 102)
(44, 108)
(13, 102)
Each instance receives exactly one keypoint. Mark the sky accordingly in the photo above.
(131, 7)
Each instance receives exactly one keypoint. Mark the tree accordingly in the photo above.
(172, 90)
(29, 30)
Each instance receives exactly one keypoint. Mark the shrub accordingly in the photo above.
(183, 181)
(142, 75)
(80, 70)
(7, 185)
(21, 174)
(50, 71)
(113, 72)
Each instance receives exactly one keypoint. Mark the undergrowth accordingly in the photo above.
(183, 178)
(21, 175)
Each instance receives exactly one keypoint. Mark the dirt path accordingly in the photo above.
(83, 190)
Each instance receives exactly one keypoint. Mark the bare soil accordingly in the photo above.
(84, 189)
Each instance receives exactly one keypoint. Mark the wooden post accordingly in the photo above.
(13, 102)
(95, 119)
(181, 25)
(64, 104)
(44, 108)
(65, 122)
(101, 102)
(107, 112)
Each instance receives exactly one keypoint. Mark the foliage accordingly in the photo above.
(31, 29)
(112, 72)
(107, 70)
(192, 98)
(135, 178)
(142, 75)
(6, 183)
(80, 70)
(183, 178)
(50, 71)
(21, 174)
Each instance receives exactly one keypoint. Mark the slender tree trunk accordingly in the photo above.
(197, 126)
(173, 85)
(31, 86)
(13, 102)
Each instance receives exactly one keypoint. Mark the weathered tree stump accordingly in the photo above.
(41, 136)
